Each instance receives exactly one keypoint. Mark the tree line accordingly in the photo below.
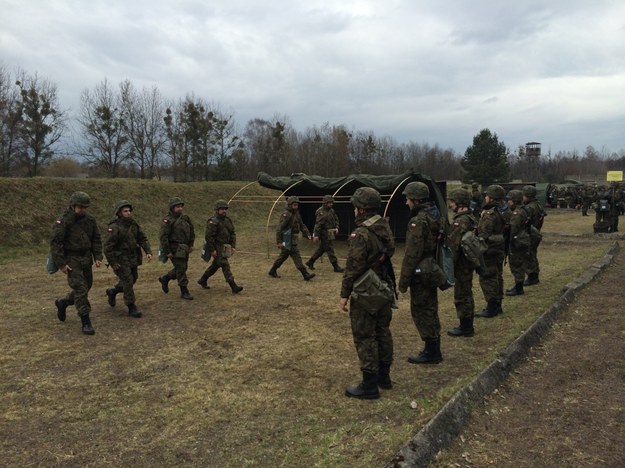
(122, 131)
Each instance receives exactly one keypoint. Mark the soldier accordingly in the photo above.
(122, 248)
(287, 234)
(587, 194)
(518, 249)
(536, 218)
(176, 239)
(491, 229)
(371, 246)
(221, 242)
(416, 271)
(463, 222)
(477, 200)
(75, 245)
(326, 228)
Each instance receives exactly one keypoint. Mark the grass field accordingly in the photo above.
(255, 379)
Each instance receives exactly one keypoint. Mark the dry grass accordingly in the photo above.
(254, 379)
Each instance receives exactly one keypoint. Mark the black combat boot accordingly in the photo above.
(517, 290)
(185, 294)
(274, 272)
(203, 281)
(464, 329)
(492, 309)
(431, 354)
(111, 293)
(337, 268)
(531, 280)
(61, 307)
(307, 276)
(236, 289)
(87, 329)
(310, 264)
(384, 376)
(133, 311)
(365, 390)
(164, 280)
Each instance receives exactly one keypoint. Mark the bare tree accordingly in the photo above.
(12, 146)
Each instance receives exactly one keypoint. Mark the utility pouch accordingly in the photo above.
(371, 292)
(205, 254)
(227, 251)
(287, 239)
(331, 235)
(51, 267)
(182, 251)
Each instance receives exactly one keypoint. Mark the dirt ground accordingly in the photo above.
(565, 406)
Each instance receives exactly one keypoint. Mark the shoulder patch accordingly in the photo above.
(353, 234)
(110, 229)
(210, 221)
(412, 226)
(166, 221)
(58, 221)
(456, 224)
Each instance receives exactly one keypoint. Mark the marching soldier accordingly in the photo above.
(326, 228)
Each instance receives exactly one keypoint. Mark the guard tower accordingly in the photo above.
(532, 150)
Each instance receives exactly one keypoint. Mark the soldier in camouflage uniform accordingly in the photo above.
(221, 242)
(477, 200)
(287, 234)
(371, 246)
(519, 244)
(491, 229)
(122, 248)
(536, 218)
(75, 245)
(462, 222)
(326, 227)
(424, 228)
(177, 236)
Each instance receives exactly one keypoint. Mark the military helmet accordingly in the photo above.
(417, 191)
(328, 199)
(461, 196)
(529, 191)
(121, 204)
(516, 196)
(292, 199)
(496, 192)
(475, 185)
(80, 198)
(173, 201)
(221, 204)
(366, 197)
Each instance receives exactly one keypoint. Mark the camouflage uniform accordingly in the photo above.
(76, 242)
(326, 227)
(177, 236)
(477, 200)
(122, 248)
(519, 241)
(291, 220)
(536, 218)
(219, 233)
(491, 229)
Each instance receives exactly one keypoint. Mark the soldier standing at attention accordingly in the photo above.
(463, 222)
(75, 245)
(370, 247)
(421, 243)
(287, 234)
(326, 227)
(122, 248)
(221, 242)
(477, 200)
(176, 238)
(536, 218)
(491, 229)
(518, 254)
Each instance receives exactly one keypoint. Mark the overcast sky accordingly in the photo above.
(427, 71)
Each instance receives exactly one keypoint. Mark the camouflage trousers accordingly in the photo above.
(80, 280)
(491, 281)
(294, 254)
(372, 335)
(463, 293)
(518, 261)
(219, 262)
(325, 246)
(179, 271)
(128, 275)
(532, 261)
(424, 310)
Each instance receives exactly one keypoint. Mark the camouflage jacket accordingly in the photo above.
(291, 219)
(491, 227)
(371, 239)
(123, 237)
(220, 231)
(176, 231)
(325, 218)
(461, 223)
(75, 236)
(536, 214)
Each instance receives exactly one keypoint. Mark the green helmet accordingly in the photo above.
(221, 204)
(292, 199)
(121, 204)
(516, 196)
(529, 191)
(80, 198)
(461, 197)
(173, 201)
(496, 192)
(366, 197)
(417, 191)
(328, 199)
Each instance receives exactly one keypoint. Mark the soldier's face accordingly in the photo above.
(329, 204)
(511, 203)
(410, 203)
(126, 212)
(453, 206)
(177, 210)
(221, 212)
(295, 206)
(80, 210)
